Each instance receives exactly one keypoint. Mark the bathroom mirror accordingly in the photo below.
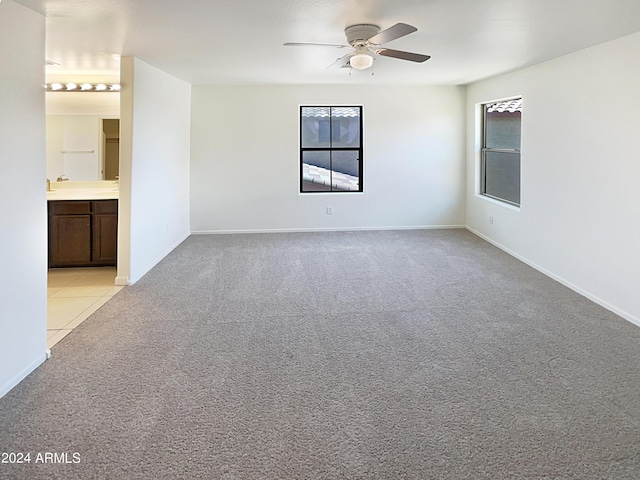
(82, 136)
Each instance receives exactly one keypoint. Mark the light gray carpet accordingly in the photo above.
(409, 355)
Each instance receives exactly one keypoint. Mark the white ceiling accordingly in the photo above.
(240, 41)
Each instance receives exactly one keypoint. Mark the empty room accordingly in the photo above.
(358, 239)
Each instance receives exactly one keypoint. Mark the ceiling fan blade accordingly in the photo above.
(396, 31)
(412, 57)
(295, 44)
(342, 62)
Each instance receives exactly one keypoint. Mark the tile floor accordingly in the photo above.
(73, 294)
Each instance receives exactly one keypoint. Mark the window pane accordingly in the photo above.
(330, 170)
(316, 127)
(503, 130)
(345, 170)
(345, 127)
(502, 176)
(316, 171)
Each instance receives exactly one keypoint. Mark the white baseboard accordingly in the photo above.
(4, 389)
(329, 229)
(627, 316)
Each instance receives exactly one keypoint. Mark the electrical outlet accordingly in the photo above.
(329, 210)
(490, 219)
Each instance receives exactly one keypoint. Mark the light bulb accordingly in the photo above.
(361, 61)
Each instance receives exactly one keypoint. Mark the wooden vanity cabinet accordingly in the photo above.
(104, 232)
(83, 233)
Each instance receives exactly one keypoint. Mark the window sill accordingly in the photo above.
(515, 208)
(330, 193)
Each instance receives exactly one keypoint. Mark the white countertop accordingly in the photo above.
(83, 194)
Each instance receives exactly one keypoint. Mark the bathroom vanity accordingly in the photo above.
(83, 227)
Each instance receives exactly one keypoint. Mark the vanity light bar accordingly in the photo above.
(82, 87)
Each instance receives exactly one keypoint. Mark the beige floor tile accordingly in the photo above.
(59, 335)
(60, 281)
(61, 311)
(113, 291)
(73, 295)
(52, 290)
(63, 272)
(93, 308)
(98, 280)
(83, 291)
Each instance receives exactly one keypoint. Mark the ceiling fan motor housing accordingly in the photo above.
(358, 35)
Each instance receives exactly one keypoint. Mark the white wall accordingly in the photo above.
(154, 167)
(106, 104)
(245, 159)
(23, 220)
(580, 215)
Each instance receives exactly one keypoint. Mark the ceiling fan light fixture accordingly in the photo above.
(361, 61)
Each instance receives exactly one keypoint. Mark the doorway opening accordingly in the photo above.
(110, 148)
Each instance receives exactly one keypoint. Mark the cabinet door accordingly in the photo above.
(105, 238)
(69, 240)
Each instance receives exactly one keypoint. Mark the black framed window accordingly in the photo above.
(330, 149)
(500, 169)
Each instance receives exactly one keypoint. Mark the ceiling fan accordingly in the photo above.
(366, 41)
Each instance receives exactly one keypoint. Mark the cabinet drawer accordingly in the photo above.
(105, 206)
(71, 207)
